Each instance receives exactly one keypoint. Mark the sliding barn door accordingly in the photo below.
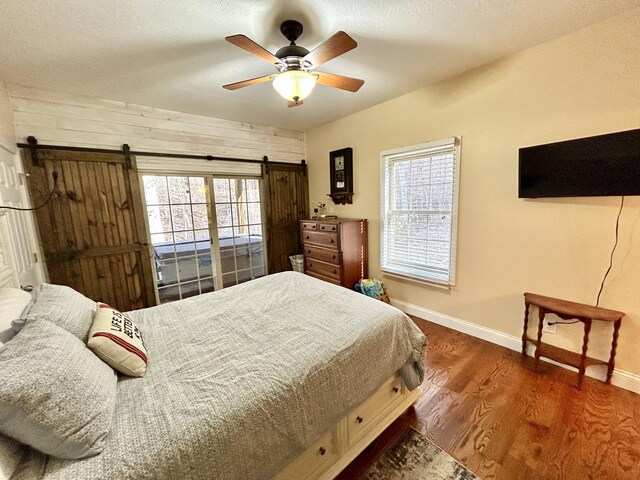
(92, 230)
(287, 202)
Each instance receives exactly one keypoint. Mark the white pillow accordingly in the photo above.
(10, 454)
(13, 301)
(118, 341)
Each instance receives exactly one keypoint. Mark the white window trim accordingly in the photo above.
(423, 148)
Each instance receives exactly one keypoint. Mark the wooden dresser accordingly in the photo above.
(335, 250)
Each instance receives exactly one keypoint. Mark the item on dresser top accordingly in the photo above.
(117, 340)
(13, 303)
(62, 306)
(335, 250)
(56, 395)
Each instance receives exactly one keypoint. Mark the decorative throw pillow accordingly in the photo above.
(13, 301)
(56, 395)
(118, 341)
(62, 306)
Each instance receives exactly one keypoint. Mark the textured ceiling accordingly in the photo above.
(172, 54)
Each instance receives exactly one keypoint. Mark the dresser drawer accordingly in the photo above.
(324, 254)
(335, 281)
(362, 419)
(327, 227)
(311, 460)
(309, 225)
(322, 268)
(320, 238)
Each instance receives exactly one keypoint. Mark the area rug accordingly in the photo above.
(415, 457)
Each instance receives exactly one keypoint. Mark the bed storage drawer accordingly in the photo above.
(324, 254)
(364, 417)
(322, 268)
(312, 460)
(342, 443)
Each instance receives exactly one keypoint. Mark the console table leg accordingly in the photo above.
(541, 314)
(585, 345)
(526, 326)
(614, 346)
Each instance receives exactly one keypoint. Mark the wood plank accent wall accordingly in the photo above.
(72, 120)
(92, 230)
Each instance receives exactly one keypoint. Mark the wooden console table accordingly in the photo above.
(570, 310)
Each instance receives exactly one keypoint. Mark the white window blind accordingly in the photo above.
(419, 211)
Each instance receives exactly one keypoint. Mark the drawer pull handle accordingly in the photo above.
(395, 390)
(335, 271)
(322, 450)
(306, 237)
(359, 419)
(333, 256)
(331, 240)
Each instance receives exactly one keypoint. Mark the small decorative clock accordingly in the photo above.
(341, 176)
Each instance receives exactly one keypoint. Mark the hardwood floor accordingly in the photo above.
(487, 407)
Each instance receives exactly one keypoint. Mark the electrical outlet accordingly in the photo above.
(548, 328)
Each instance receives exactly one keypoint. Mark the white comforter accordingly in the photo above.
(242, 380)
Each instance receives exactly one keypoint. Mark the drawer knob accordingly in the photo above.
(306, 237)
(322, 450)
(333, 256)
(359, 419)
(395, 390)
(331, 240)
(335, 271)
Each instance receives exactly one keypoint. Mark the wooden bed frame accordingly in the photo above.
(329, 455)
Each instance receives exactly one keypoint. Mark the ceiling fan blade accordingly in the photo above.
(295, 104)
(331, 48)
(253, 48)
(339, 81)
(247, 83)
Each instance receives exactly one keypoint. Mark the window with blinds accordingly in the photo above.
(419, 211)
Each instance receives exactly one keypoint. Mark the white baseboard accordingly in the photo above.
(621, 378)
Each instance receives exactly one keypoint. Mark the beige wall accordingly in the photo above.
(583, 84)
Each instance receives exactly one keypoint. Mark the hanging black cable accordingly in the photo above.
(604, 279)
(55, 187)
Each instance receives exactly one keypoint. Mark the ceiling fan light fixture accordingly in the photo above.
(294, 85)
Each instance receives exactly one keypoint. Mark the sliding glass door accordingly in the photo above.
(201, 241)
(238, 212)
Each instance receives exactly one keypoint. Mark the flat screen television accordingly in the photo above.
(604, 165)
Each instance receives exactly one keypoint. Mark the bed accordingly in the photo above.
(285, 376)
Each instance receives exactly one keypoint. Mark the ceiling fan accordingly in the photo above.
(295, 64)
